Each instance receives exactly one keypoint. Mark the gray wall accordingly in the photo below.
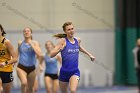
(51, 14)
(94, 20)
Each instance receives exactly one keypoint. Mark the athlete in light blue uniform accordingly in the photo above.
(28, 49)
(69, 46)
(51, 65)
(27, 56)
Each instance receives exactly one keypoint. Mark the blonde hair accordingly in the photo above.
(50, 42)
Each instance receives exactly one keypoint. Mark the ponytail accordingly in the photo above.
(64, 28)
(60, 35)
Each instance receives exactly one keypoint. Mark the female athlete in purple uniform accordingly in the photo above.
(69, 46)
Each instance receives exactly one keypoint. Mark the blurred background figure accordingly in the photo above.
(39, 70)
(1, 88)
(136, 52)
(51, 69)
(7, 58)
(28, 50)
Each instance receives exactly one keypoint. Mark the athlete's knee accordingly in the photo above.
(55, 90)
(24, 84)
(73, 90)
(64, 90)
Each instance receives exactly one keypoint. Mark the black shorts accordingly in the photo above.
(6, 77)
(28, 70)
(52, 76)
(138, 76)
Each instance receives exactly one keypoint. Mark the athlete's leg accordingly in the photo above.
(138, 78)
(7, 87)
(31, 80)
(35, 87)
(23, 79)
(74, 83)
(55, 86)
(48, 84)
(1, 88)
(63, 86)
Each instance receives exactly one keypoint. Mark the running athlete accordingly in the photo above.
(51, 71)
(69, 46)
(136, 53)
(7, 59)
(28, 50)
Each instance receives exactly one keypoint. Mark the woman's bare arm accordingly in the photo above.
(58, 47)
(82, 49)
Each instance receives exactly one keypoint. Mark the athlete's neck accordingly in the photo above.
(71, 39)
(49, 51)
(27, 40)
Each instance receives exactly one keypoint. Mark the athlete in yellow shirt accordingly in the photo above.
(7, 58)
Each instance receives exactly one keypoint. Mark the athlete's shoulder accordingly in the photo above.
(7, 42)
(19, 42)
(78, 39)
(135, 50)
(35, 42)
